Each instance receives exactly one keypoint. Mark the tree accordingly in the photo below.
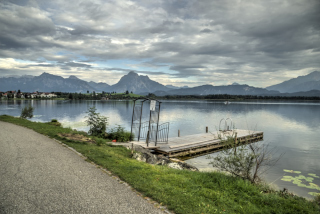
(10, 95)
(98, 124)
(247, 161)
(75, 96)
(151, 95)
(127, 92)
(70, 96)
(27, 112)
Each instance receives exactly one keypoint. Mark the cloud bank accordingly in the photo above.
(175, 42)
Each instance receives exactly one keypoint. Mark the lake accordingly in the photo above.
(291, 128)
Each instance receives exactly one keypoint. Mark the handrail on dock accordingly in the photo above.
(226, 123)
(220, 123)
(226, 127)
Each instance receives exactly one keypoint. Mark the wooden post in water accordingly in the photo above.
(178, 132)
(206, 129)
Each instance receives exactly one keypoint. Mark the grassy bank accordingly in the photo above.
(181, 191)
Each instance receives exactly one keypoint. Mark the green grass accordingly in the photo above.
(181, 191)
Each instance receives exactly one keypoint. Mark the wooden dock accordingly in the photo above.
(200, 143)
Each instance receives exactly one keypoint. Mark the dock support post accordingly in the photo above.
(178, 132)
(147, 139)
(140, 121)
(134, 105)
(206, 129)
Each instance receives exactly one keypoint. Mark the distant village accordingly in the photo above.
(64, 95)
(21, 95)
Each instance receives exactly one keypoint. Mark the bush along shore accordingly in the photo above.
(181, 191)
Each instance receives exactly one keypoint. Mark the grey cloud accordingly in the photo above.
(168, 47)
(152, 72)
(131, 44)
(40, 65)
(24, 21)
(66, 68)
(166, 27)
(153, 65)
(7, 41)
(74, 64)
(206, 30)
(178, 67)
(215, 49)
(235, 63)
(187, 71)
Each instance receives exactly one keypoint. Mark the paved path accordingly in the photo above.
(39, 175)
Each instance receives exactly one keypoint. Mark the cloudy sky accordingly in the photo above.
(178, 42)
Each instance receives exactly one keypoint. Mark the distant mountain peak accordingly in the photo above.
(235, 83)
(137, 83)
(172, 87)
(314, 74)
(132, 73)
(73, 77)
(48, 75)
(145, 77)
(45, 74)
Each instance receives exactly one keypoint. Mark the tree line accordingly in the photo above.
(232, 97)
(94, 95)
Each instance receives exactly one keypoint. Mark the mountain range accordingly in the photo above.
(301, 83)
(308, 85)
(210, 89)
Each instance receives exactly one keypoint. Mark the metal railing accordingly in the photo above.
(226, 127)
(163, 132)
(144, 131)
(162, 136)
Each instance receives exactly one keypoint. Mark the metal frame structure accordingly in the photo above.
(147, 131)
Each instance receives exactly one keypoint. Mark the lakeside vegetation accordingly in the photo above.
(130, 96)
(181, 191)
(229, 97)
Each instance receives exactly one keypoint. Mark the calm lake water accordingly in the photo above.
(292, 128)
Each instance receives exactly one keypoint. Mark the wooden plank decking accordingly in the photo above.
(192, 144)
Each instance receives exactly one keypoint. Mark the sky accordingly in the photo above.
(174, 42)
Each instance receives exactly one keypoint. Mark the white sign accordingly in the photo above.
(152, 105)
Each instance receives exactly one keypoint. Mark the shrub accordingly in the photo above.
(27, 112)
(317, 199)
(98, 124)
(247, 161)
(99, 141)
(119, 134)
(55, 122)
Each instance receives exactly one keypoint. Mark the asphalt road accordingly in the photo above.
(39, 175)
